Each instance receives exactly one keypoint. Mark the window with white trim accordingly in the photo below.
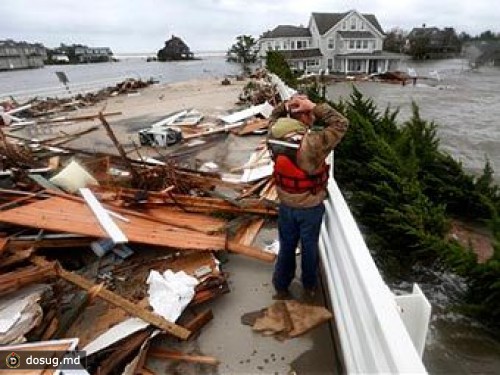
(358, 44)
(292, 44)
(331, 43)
(351, 44)
(301, 44)
(353, 23)
(365, 44)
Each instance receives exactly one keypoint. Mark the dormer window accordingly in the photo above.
(353, 23)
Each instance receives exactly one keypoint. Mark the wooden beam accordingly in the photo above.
(119, 147)
(3, 244)
(116, 300)
(79, 118)
(19, 278)
(252, 252)
(247, 232)
(195, 324)
(179, 356)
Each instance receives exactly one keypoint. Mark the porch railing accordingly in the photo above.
(377, 332)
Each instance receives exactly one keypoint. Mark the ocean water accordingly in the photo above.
(464, 103)
(23, 84)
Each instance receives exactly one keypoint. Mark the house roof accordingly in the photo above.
(356, 34)
(287, 31)
(12, 43)
(301, 53)
(325, 21)
(423, 31)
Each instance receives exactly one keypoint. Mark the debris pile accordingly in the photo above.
(38, 108)
(104, 251)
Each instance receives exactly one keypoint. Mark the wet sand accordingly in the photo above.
(142, 109)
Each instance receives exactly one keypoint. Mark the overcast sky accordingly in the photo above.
(207, 25)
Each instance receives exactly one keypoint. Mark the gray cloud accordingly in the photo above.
(131, 25)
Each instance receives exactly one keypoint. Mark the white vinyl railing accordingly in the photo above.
(373, 327)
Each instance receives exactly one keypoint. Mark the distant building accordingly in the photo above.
(431, 42)
(349, 42)
(21, 55)
(80, 54)
(175, 49)
(482, 52)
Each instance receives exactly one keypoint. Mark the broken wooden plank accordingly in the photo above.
(179, 356)
(253, 125)
(113, 231)
(3, 244)
(10, 258)
(195, 324)
(17, 243)
(119, 147)
(78, 118)
(247, 233)
(253, 189)
(63, 215)
(163, 215)
(115, 299)
(252, 252)
(221, 129)
(12, 281)
(125, 349)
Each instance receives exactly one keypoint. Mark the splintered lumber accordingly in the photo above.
(163, 215)
(125, 349)
(179, 356)
(220, 129)
(78, 118)
(71, 216)
(52, 241)
(119, 147)
(12, 281)
(253, 125)
(3, 244)
(253, 189)
(195, 324)
(247, 233)
(13, 257)
(250, 251)
(115, 299)
(203, 204)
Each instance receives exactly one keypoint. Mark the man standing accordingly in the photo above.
(299, 148)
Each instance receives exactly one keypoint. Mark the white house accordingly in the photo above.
(347, 43)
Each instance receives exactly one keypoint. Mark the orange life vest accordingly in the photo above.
(289, 177)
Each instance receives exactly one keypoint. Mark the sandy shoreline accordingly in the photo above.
(142, 109)
(208, 96)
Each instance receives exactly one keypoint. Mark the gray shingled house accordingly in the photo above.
(347, 43)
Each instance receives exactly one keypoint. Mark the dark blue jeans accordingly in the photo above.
(296, 224)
